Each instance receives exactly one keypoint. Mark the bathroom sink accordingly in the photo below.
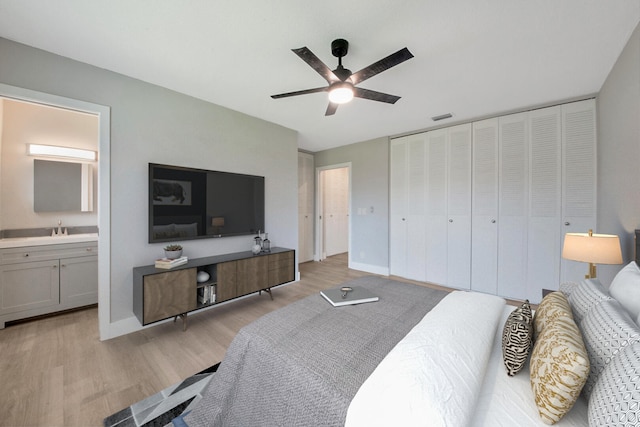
(15, 242)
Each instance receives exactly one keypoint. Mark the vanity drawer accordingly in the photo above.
(47, 252)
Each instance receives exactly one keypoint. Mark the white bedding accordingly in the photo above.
(432, 377)
(448, 371)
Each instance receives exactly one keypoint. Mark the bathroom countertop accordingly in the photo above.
(19, 242)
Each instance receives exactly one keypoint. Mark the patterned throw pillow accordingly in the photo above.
(517, 338)
(606, 329)
(615, 400)
(558, 370)
(589, 293)
(552, 306)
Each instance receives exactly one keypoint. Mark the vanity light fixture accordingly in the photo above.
(57, 151)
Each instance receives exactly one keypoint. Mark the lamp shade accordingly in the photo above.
(592, 248)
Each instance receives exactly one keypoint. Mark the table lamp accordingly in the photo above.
(592, 248)
(217, 223)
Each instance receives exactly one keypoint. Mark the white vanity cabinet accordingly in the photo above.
(36, 280)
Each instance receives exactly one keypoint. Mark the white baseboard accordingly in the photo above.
(373, 269)
(121, 327)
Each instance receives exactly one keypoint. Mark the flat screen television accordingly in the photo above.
(187, 203)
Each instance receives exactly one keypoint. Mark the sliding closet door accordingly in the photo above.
(459, 207)
(436, 207)
(544, 202)
(512, 202)
(484, 208)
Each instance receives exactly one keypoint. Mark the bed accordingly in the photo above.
(423, 357)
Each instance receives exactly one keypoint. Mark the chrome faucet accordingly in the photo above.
(59, 232)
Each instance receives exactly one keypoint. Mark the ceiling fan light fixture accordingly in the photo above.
(341, 93)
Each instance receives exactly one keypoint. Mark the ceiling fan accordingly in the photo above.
(342, 83)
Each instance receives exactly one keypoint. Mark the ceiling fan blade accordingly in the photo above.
(374, 95)
(331, 109)
(310, 58)
(382, 65)
(300, 92)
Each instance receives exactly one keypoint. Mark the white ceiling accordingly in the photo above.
(473, 58)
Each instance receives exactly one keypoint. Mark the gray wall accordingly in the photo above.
(369, 187)
(619, 153)
(153, 124)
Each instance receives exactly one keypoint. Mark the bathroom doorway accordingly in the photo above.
(39, 103)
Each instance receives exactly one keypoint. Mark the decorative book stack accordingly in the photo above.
(170, 263)
(207, 294)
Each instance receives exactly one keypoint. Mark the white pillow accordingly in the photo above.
(626, 289)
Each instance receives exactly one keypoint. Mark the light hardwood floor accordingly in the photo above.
(56, 372)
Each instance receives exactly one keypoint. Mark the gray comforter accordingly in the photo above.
(303, 364)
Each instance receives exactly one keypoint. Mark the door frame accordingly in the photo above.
(104, 189)
(319, 221)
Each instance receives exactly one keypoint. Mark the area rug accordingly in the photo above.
(161, 408)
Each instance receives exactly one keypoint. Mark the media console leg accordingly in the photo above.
(183, 316)
(268, 290)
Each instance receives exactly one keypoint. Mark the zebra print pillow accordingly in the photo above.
(517, 338)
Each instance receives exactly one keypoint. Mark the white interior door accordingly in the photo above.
(335, 211)
(305, 207)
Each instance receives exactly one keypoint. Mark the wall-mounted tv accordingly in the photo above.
(187, 203)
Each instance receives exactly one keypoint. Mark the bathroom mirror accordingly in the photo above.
(62, 186)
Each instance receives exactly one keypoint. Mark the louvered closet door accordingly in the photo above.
(398, 207)
(512, 205)
(459, 207)
(578, 177)
(484, 208)
(543, 237)
(436, 207)
(416, 225)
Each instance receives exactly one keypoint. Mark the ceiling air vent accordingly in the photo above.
(442, 117)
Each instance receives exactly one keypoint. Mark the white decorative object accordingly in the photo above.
(202, 276)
